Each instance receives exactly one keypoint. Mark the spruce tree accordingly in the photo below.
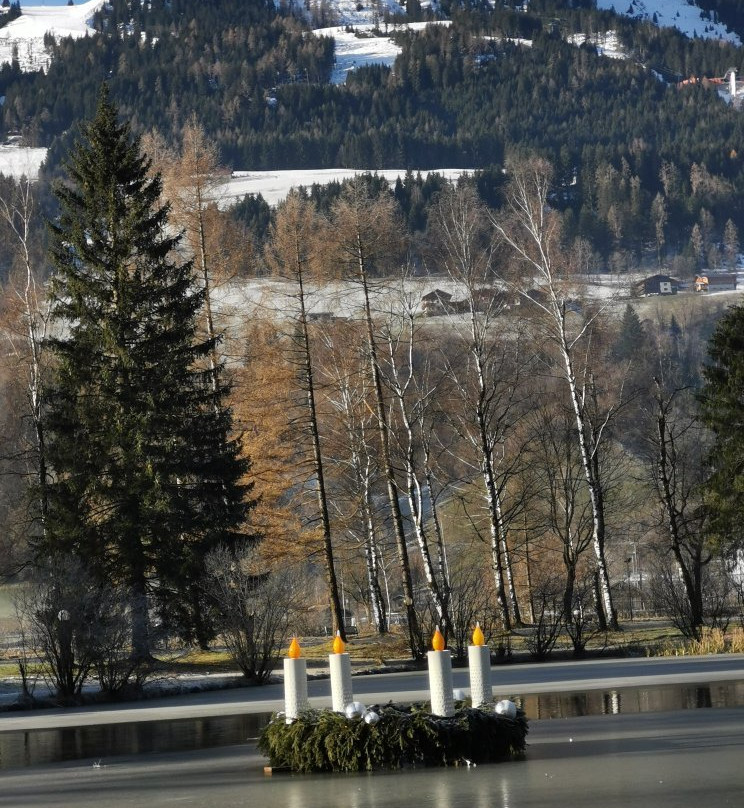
(631, 338)
(146, 478)
(723, 411)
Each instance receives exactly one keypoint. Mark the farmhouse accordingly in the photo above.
(716, 282)
(436, 302)
(658, 285)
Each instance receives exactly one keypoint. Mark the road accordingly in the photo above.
(508, 680)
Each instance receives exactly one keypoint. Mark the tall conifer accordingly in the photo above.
(722, 400)
(146, 478)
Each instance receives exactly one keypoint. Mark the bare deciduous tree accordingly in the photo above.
(532, 231)
(291, 254)
(484, 373)
(77, 626)
(363, 234)
(678, 444)
(256, 606)
(28, 316)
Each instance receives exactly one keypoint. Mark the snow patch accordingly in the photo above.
(26, 33)
(680, 14)
(362, 47)
(18, 162)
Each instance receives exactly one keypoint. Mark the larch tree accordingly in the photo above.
(191, 181)
(291, 254)
(146, 475)
(363, 234)
(265, 392)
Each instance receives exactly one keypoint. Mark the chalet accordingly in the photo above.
(658, 285)
(437, 302)
(716, 282)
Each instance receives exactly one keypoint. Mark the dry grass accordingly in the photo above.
(712, 641)
(638, 638)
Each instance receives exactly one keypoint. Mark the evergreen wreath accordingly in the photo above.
(323, 741)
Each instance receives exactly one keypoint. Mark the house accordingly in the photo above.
(716, 282)
(658, 285)
(436, 302)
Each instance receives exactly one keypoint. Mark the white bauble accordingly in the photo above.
(506, 708)
(354, 710)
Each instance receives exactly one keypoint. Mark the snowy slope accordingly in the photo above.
(361, 47)
(26, 33)
(684, 16)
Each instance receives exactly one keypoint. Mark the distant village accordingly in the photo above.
(711, 281)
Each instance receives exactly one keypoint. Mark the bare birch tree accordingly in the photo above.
(354, 459)
(414, 385)
(25, 334)
(532, 230)
(484, 373)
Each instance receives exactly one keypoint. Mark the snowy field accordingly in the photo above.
(275, 185)
(21, 162)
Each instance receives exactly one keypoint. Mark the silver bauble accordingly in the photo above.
(354, 710)
(506, 708)
(458, 694)
(371, 717)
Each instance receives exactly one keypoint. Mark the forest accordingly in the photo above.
(416, 405)
(489, 441)
(647, 170)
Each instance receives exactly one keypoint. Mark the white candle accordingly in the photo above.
(440, 678)
(340, 665)
(295, 683)
(479, 663)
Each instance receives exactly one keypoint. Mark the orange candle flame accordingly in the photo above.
(339, 646)
(478, 638)
(437, 641)
(294, 649)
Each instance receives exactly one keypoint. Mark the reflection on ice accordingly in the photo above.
(18, 749)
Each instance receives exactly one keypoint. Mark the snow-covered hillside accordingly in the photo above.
(25, 35)
(680, 14)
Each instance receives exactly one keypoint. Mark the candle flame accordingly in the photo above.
(437, 641)
(478, 638)
(294, 649)
(339, 646)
